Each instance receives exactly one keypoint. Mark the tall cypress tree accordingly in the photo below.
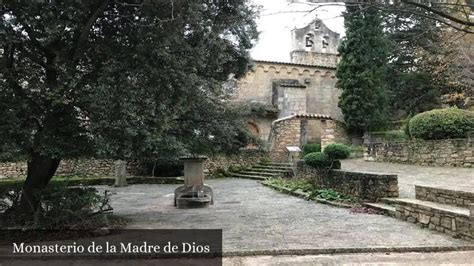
(362, 69)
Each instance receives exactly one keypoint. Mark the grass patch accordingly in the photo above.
(309, 188)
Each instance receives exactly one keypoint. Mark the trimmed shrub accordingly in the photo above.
(337, 151)
(446, 123)
(317, 160)
(311, 147)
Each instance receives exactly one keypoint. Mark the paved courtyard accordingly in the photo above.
(411, 175)
(257, 218)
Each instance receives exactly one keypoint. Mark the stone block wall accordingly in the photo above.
(444, 221)
(445, 196)
(448, 152)
(284, 133)
(333, 132)
(366, 186)
(83, 167)
(245, 158)
(293, 131)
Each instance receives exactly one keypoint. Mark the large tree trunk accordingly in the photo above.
(40, 171)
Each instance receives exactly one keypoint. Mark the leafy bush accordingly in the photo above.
(314, 192)
(330, 194)
(442, 124)
(317, 160)
(396, 135)
(311, 147)
(337, 151)
(61, 208)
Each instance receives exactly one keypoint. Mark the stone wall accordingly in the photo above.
(293, 131)
(311, 58)
(445, 196)
(286, 132)
(448, 152)
(245, 158)
(83, 167)
(322, 96)
(445, 221)
(366, 186)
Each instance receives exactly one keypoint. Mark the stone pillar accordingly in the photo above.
(327, 134)
(194, 193)
(120, 173)
(193, 171)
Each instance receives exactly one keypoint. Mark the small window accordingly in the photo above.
(325, 42)
(317, 26)
(309, 40)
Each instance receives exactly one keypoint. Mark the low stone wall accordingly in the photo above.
(445, 221)
(366, 186)
(83, 167)
(446, 196)
(245, 158)
(106, 167)
(448, 152)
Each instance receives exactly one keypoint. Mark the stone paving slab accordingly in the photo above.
(411, 175)
(415, 258)
(257, 218)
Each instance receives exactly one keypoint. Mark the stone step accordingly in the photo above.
(278, 164)
(259, 173)
(274, 167)
(429, 206)
(388, 201)
(444, 196)
(268, 170)
(386, 209)
(445, 218)
(255, 177)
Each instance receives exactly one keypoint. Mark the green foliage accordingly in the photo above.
(391, 135)
(317, 160)
(121, 81)
(442, 124)
(337, 151)
(331, 195)
(314, 192)
(311, 147)
(362, 69)
(258, 109)
(293, 184)
(61, 208)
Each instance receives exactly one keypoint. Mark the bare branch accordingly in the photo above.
(439, 13)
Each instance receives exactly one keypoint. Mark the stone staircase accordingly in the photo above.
(442, 210)
(264, 170)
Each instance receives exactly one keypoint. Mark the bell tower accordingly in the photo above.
(315, 44)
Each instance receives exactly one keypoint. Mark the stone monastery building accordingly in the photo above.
(304, 87)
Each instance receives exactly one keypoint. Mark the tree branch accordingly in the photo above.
(439, 13)
(87, 27)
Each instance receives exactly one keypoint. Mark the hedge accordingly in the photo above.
(449, 123)
(309, 148)
(337, 151)
(317, 160)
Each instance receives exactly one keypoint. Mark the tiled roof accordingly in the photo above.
(308, 115)
(305, 115)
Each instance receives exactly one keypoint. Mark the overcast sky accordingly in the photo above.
(279, 17)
